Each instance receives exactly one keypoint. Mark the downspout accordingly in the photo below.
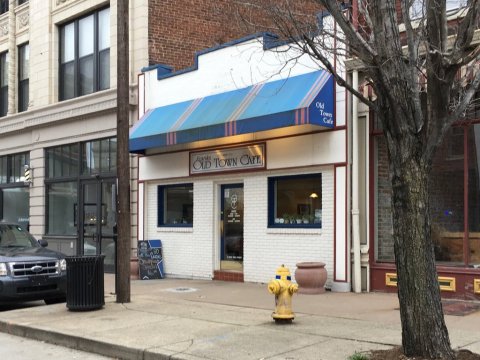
(357, 278)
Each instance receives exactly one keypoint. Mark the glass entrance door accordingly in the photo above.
(98, 219)
(232, 227)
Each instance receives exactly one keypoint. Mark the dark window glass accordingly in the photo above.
(85, 55)
(3, 84)
(62, 161)
(3, 6)
(473, 155)
(23, 76)
(295, 201)
(99, 156)
(15, 205)
(452, 169)
(175, 205)
(12, 167)
(3, 170)
(14, 201)
(20, 2)
(61, 208)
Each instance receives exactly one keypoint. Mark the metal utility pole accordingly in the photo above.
(122, 276)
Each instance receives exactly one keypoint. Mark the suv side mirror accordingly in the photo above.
(43, 243)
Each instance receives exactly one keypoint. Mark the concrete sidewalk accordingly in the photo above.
(193, 319)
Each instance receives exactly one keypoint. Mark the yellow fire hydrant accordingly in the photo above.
(283, 290)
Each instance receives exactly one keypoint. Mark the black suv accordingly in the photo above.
(28, 270)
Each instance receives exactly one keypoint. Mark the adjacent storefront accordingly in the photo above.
(243, 166)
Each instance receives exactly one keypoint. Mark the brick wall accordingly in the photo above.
(179, 28)
(383, 193)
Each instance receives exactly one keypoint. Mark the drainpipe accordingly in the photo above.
(12, 63)
(357, 278)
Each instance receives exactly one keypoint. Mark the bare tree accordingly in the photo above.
(412, 52)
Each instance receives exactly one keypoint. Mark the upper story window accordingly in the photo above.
(20, 2)
(3, 6)
(85, 55)
(3, 83)
(23, 76)
(417, 9)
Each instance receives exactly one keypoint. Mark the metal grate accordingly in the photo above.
(34, 268)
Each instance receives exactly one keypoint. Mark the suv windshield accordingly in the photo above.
(14, 236)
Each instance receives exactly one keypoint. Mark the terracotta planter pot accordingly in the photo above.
(311, 277)
(134, 269)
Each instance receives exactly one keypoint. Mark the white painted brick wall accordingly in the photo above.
(193, 252)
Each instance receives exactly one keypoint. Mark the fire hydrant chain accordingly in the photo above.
(283, 289)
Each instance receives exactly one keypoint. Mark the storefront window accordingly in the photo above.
(474, 194)
(175, 205)
(67, 167)
(454, 186)
(14, 192)
(447, 207)
(15, 204)
(62, 200)
(295, 201)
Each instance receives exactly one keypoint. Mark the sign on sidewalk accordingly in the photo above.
(150, 259)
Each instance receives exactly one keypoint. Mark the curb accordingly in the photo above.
(88, 345)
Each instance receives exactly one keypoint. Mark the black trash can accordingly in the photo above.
(85, 284)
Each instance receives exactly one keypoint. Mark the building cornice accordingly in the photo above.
(82, 107)
(352, 64)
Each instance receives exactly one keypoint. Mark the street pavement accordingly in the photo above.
(199, 319)
(17, 348)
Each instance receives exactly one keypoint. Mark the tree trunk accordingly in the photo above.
(423, 327)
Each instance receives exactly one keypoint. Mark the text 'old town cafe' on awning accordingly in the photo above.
(297, 100)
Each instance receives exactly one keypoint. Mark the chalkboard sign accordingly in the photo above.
(150, 259)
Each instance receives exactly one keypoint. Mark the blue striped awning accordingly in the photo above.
(297, 100)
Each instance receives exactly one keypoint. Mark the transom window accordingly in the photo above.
(12, 168)
(87, 158)
(295, 201)
(85, 55)
(175, 205)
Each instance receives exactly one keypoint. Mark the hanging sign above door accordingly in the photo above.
(228, 159)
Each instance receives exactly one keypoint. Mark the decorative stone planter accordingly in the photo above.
(134, 269)
(311, 277)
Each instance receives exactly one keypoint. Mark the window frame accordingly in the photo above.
(77, 86)
(23, 96)
(4, 59)
(272, 201)
(8, 184)
(161, 208)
